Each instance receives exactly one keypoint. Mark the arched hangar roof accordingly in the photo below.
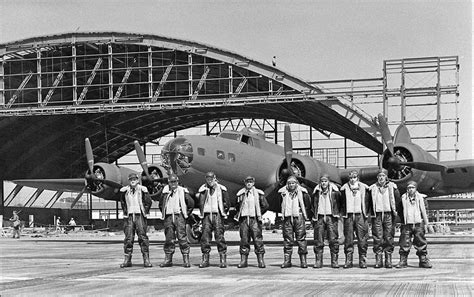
(112, 87)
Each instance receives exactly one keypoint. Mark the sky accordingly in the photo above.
(313, 40)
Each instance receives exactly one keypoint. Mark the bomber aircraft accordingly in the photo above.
(233, 155)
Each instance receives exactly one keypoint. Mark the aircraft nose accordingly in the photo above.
(177, 154)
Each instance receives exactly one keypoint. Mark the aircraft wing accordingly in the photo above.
(459, 174)
(66, 184)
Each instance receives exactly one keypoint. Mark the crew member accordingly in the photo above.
(176, 204)
(15, 219)
(136, 203)
(326, 204)
(295, 200)
(412, 212)
(383, 210)
(251, 205)
(214, 205)
(355, 201)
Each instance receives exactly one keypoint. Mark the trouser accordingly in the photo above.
(356, 222)
(294, 227)
(16, 232)
(383, 231)
(250, 228)
(213, 222)
(329, 224)
(135, 223)
(417, 231)
(173, 229)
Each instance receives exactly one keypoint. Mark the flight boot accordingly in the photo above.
(349, 259)
(362, 261)
(261, 263)
(146, 260)
(223, 257)
(388, 260)
(334, 263)
(303, 261)
(127, 262)
(186, 263)
(403, 261)
(168, 262)
(378, 261)
(424, 262)
(286, 261)
(243, 261)
(319, 260)
(205, 261)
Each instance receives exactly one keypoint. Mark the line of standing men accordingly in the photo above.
(355, 202)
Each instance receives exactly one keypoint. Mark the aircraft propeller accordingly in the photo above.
(90, 177)
(395, 161)
(142, 158)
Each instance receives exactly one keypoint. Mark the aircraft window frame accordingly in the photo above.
(220, 155)
(231, 157)
(247, 140)
(201, 151)
(231, 136)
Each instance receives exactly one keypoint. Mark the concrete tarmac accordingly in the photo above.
(87, 264)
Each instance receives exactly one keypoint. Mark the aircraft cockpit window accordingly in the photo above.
(231, 157)
(220, 155)
(247, 139)
(201, 151)
(233, 136)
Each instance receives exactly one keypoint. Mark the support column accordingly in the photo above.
(2, 196)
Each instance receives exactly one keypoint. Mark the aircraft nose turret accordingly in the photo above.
(177, 155)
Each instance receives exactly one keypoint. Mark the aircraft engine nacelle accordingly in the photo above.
(401, 173)
(156, 172)
(311, 169)
(109, 172)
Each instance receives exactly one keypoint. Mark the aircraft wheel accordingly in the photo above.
(194, 232)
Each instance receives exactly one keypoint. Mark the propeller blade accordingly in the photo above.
(90, 155)
(425, 166)
(288, 146)
(386, 135)
(142, 159)
(78, 197)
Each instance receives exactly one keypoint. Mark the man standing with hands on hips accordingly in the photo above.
(136, 203)
(176, 204)
(213, 204)
(251, 205)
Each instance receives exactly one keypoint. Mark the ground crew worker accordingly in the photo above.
(383, 211)
(214, 205)
(295, 201)
(136, 203)
(251, 205)
(412, 212)
(175, 204)
(325, 206)
(355, 202)
(15, 219)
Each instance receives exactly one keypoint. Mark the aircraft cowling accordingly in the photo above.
(311, 169)
(154, 186)
(401, 174)
(110, 172)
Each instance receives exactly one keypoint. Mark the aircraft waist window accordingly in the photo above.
(231, 157)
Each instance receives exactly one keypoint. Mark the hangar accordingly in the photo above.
(117, 87)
